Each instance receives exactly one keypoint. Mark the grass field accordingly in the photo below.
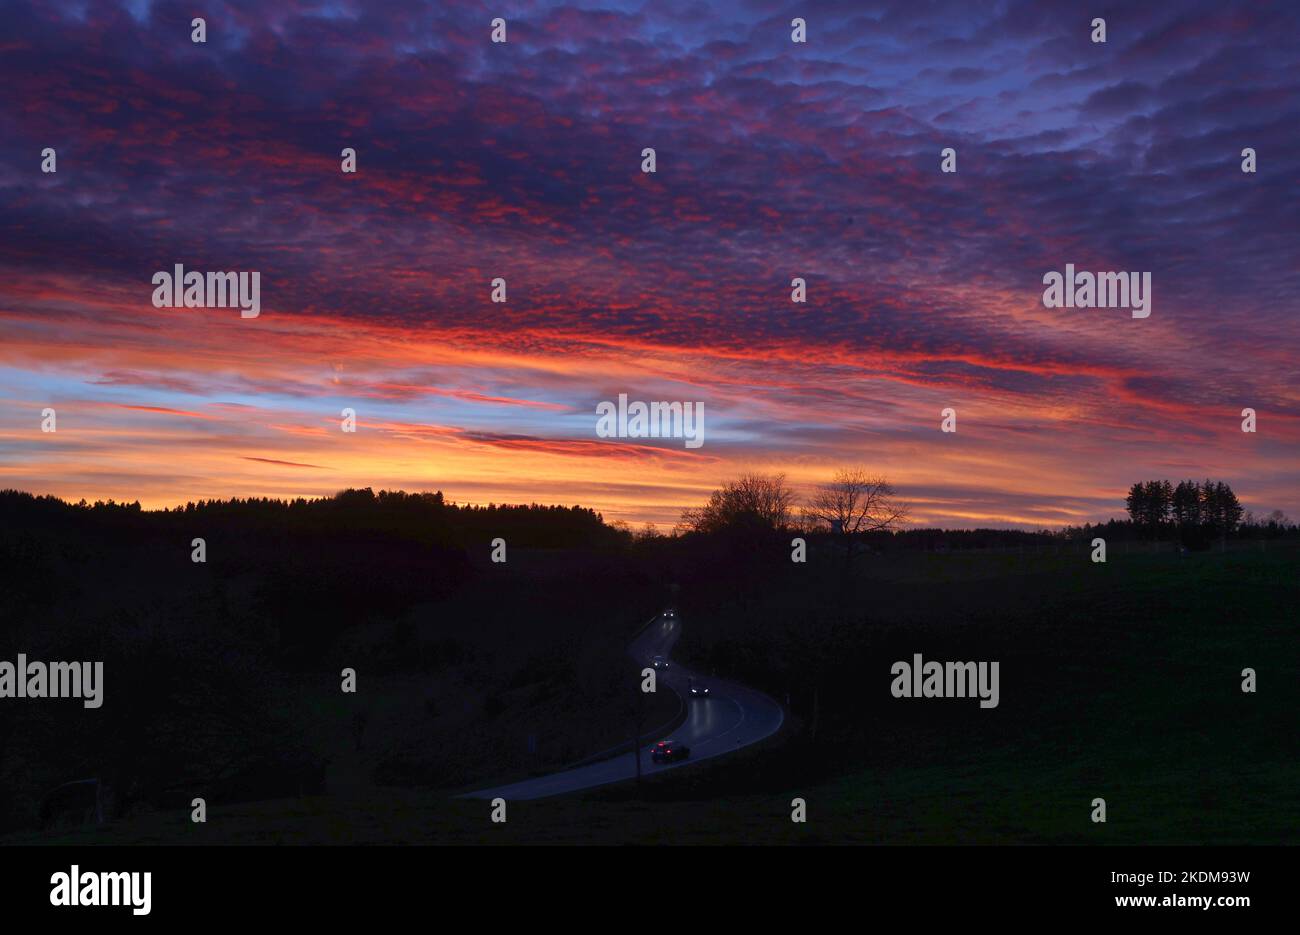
(1120, 681)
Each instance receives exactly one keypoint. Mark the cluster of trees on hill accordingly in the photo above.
(1196, 512)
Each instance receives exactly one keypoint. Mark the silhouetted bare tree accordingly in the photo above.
(856, 502)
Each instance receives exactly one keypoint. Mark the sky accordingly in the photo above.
(774, 160)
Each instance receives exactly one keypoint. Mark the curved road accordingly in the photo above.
(731, 717)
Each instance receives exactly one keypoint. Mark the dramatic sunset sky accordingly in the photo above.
(775, 160)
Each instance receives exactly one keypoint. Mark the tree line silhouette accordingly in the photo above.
(861, 509)
(425, 517)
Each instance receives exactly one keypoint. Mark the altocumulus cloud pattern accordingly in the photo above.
(521, 160)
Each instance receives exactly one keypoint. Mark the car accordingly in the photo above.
(699, 690)
(659, 662)
(670, 612)
(666, 751)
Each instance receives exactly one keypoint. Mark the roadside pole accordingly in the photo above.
(638, 720)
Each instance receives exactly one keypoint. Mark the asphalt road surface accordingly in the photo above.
(731, 717)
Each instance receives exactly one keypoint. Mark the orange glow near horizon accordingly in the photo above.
(179, 406)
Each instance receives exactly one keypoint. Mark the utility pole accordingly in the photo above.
(637, 724)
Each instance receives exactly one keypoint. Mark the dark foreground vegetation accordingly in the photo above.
(223, 678)
(1119, 680)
